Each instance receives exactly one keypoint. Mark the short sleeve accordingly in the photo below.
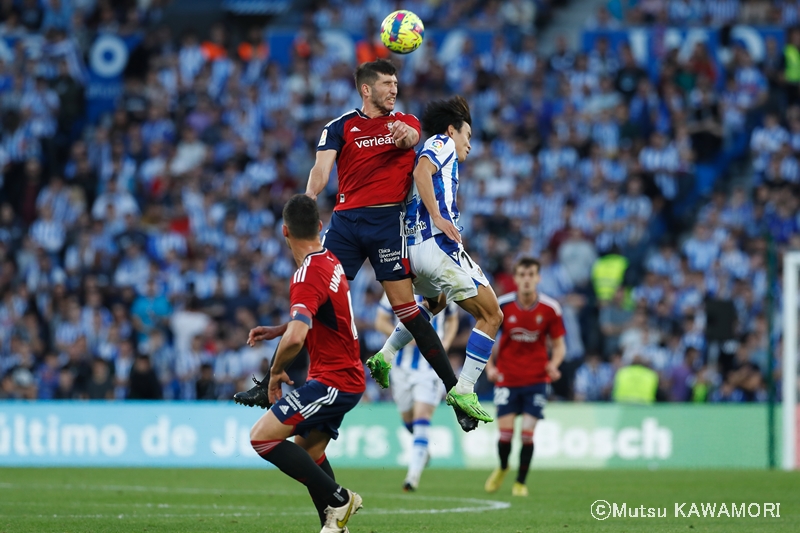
(306, 295)
(332, 137)
(556, 328)
(440, 149)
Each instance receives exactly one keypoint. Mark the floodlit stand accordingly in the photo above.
(791, 272)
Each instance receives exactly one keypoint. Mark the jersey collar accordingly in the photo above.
(312, 254)
(363, 115)
(533, 305)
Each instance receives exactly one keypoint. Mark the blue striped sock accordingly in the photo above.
(479, 348)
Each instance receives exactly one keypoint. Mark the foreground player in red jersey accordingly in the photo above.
(373, 148)
(322, 319)
(520, 368)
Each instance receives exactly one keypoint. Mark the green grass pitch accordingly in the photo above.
(197, 501)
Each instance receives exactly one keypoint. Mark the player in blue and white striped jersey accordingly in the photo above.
(416, 389)
(438, 260)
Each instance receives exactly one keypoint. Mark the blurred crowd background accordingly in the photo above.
(140, 243)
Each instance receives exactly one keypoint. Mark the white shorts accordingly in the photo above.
(411, 386)
(451, 272)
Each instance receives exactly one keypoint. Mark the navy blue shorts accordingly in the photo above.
(315, 406)
(374, 233)
(517, 400)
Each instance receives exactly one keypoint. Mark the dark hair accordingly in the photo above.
(440, 114)
(301, 216)
(525, 262)
(368, 72)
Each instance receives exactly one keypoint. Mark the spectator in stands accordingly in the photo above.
(143, 382)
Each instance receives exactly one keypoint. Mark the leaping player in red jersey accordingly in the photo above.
(520, 367)
(320, 297)
(373, 148)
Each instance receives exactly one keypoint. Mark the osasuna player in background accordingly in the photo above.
(415, 387)
(322, 320)
(439, 262)
(521, 369)
(373, 148)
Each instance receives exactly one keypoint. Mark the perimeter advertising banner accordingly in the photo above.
(217, 435)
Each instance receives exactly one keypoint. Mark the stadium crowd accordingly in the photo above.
(136, 253)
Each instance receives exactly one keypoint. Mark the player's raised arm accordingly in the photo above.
(423, 179)
(320, 172)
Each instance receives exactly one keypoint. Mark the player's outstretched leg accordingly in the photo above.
(379, 365)
(428, 341)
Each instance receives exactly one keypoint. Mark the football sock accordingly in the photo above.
(525, 456)
(399, 338)
(419, 451)
(479, 348)
(295, 462)
(316, 497)
(504, 446)
(430, 346)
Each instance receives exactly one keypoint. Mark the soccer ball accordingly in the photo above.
(402, 32)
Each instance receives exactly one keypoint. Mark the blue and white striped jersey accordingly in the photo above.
(441, 151)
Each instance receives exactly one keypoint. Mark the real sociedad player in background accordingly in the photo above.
(439, 262)
(373, 148)
(416, 390)
(322, 320)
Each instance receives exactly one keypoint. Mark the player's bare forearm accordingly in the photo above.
(265, 333)
(559, 351)
(423, 179)
(320, 172)
(290, 345)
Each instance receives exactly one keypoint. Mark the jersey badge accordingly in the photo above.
(538, 319)
(389, 125)
(437, 145)
(323, 137)
(284, 409)
(354, 128)
(513, 319)
(397, 267)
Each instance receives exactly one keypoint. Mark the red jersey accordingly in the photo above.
(320, 297)
(522, 356)
(372, 170)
